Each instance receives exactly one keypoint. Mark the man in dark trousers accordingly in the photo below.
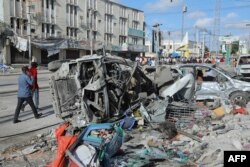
(35, 87)
(25, 94)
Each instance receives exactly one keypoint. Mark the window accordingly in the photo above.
(75, 10)
(47, 3)
(108, 38)
(67, 8)
(122, 12)
(47, 27)
(91, 4)
(53, 29)
(134, 40)
(43, 27)
(12, 22)
(18, 23)
(135, 25)
(67, 31)
(52, 4)
(135, 15)
(71, 32)
(123, 26)
(71, 9)
(122, 40)
(108, 24)
(94, 35)
(25, 22)
(75, 32)
(108, 8)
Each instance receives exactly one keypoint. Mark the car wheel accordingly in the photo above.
(239, 98)
(55, 65)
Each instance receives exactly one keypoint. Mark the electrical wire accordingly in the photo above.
(205, 10)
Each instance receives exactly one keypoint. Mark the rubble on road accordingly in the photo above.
(115, 115)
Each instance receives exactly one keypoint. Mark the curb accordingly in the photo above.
(15, 90)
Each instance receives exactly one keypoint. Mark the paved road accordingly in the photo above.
(8, 104)
(10, 82)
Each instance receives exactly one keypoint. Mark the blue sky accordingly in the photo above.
(234, 15)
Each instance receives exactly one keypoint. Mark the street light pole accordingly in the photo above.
(248, 25)
(184, 10)
(91, 32)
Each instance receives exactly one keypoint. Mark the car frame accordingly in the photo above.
(225, 85)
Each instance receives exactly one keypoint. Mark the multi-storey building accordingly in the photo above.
(63, 29)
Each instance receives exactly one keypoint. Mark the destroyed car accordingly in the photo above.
(215, 82)
(96, 88)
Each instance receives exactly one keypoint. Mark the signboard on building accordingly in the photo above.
(229, 39)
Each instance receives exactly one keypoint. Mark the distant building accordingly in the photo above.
(62, 29)
(172, 46)
(243, 49)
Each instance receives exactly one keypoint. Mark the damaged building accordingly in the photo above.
(63, 29)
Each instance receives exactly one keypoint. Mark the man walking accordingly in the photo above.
(35, 87)
(25, 94)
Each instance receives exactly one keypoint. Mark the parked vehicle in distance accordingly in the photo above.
(216, 82)
(243, 66)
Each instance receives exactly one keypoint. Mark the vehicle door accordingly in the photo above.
(214, 83)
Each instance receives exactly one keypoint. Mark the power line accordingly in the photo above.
(205, 10)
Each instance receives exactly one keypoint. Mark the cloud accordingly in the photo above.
(231, 15)
(161, 5)
(239, 25)
(196, 14)
(204, 22)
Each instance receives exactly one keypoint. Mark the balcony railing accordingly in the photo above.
(136, 33)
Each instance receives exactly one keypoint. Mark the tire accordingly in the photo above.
(239, 98)
(55, 65)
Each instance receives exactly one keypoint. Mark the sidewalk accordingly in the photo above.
(18, 73)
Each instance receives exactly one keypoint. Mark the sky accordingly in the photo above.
(234, 15)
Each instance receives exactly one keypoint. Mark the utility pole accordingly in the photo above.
(216, 32)
(169, 42)
(29, 31)
(157, 45)
(203, 47)
(91, 31)
(184, 10)
(248, 47)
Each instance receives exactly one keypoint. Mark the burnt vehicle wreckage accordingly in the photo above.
(96, 88)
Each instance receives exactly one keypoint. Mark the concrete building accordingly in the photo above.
(62, 29)
(170, 46)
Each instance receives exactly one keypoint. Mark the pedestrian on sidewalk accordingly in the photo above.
(25, 81)
(34, 87)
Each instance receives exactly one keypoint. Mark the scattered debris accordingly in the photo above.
(117, 114)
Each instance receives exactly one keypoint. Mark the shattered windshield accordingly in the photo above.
(232, 75)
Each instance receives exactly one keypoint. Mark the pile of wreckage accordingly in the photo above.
(120, 114)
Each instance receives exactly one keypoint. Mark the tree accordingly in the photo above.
(235, 47)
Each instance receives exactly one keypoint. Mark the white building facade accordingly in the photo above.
(63, 29)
